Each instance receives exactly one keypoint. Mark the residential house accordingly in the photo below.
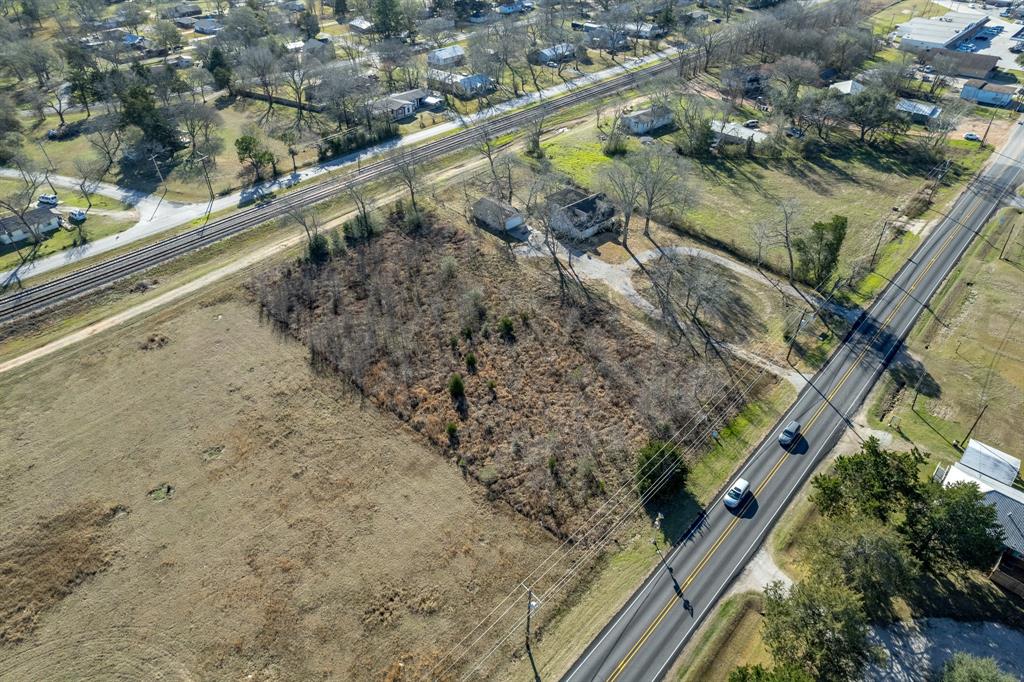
(446, 57)
(644, 30)
(514, 7)
(41, 221)
(293, 46)
(464, 87)
(994, 473)
(962, 64)
(208, 27)
(319, 50)
(133, 41)
(847, 88)
(185, 9)
(606, 39)
(643, 121)
(577, 215)
(987, 93)
(917, 111)
(496, 214)
(185, 23)
(562, 52)
(734, 133)
(361, 26)
(403, 104)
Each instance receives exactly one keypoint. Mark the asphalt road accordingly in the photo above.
(646, 636)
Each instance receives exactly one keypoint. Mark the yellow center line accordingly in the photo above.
(732, 524)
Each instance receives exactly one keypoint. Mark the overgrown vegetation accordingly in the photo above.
(549, 409)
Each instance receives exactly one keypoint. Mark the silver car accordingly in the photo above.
(737, 492)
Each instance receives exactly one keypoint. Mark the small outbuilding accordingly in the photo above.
(846, 88)
(496, 214)
(361, 26)
(917, 111)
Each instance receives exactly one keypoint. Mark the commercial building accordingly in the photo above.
(945, 31)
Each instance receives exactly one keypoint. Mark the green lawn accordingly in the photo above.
(96, 227)
(972, 350)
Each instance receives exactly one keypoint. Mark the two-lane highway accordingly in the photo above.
(644, 638)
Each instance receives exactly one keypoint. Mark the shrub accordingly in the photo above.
(449, 268)
(506, 329)
(318, 251)
(456, 387)
(471, 362)
(452, 431)
(338, 247)
(660, 459)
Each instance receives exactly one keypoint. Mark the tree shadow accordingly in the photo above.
(680, 511)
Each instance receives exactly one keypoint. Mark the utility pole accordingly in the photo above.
(1006, 243)
(531, 604)
(792, 339)
(978, 419)
(988, 127)
(654, 540)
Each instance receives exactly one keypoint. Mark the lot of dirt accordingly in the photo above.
(207, 507)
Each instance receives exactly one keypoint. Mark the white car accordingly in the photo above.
(48, 199)
(737, 493)
(973, 137)
(77, 216)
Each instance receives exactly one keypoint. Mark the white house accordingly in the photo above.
(643, 121)
(734, 133)
(41, 221)
(496, 214)
(446, 57)
(644, 30)
(846, 88)
(987, 93)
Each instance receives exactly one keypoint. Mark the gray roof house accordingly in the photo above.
(41, 221)
(208, 27)
(643, 121)
(496, 214)
(403, 104)
(994, 473)
(465, 87)
(987, 93)
(562, 52)
(185, 9)
(577, 215)
(446, 57)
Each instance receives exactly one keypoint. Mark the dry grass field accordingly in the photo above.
(185, 499)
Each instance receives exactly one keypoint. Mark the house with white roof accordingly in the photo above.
(446, 57)
(846, 88)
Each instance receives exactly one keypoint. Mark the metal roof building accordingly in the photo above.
(944, 31)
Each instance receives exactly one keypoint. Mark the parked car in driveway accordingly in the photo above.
(789, 434)
(77, 216)
(48, 199)
(752, 124)
(736, 493)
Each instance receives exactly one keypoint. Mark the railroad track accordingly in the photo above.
(80, 282)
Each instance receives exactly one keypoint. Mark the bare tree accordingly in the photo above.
(306, 216)
(259, 65)
(622, 183)
(660, 182)
(107, 140)
(408, 172)
(19, 201)
(298, 73)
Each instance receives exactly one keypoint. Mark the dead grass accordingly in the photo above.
(307, 536)
(44, 563)
(732, 637)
